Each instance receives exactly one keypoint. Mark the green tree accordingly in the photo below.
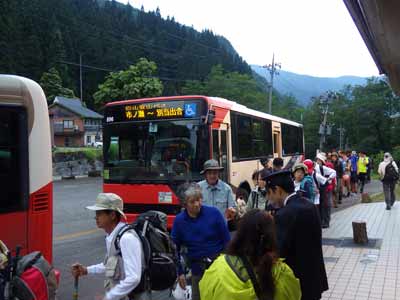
(137, 81)
(52, 85)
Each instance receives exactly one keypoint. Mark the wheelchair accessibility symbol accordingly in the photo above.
(190, 110)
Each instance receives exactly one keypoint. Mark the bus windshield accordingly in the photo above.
(154, 151)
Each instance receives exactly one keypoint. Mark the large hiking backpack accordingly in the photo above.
(390, 173)
(159, 270)
(30, 277)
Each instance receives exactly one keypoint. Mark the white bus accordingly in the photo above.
(26, 207)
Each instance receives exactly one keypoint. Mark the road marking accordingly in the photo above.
(76, 234)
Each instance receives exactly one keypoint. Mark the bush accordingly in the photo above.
(64, 153)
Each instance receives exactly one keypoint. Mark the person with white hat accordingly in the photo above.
(216, 192)
(330, 175)
(122, 267)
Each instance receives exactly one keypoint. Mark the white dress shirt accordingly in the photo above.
(131, 251)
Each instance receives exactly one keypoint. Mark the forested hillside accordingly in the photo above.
(37, 35)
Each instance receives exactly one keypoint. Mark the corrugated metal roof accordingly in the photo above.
(76, 106)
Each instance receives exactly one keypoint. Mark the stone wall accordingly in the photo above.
(71, 164)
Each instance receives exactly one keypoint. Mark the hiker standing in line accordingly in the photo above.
(339, 168)
(299, 234)
(123, 270)
(303, 183)
(251, 268)
(362, 169)
(325, 200)
(202, 230)
(353, 171)
(277, 164)
(389, 173)
(258, 196)
(216, 192)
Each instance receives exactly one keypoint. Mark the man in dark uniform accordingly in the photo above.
(299, 234)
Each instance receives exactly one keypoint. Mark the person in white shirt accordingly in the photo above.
(389, 174)
(122, 267)
(325, 202)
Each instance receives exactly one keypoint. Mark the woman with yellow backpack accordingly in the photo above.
(251, 268)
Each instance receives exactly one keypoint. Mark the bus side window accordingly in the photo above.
(13, 160)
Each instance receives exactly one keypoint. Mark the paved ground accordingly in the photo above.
(374, 187)
(351, 271)
(76, 238)
(364, 273)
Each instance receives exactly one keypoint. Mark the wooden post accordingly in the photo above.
(360, 232)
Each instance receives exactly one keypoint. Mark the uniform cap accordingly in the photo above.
(278, 178)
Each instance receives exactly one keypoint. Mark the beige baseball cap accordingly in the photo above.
(108, 201)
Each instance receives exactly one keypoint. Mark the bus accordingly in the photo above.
(153, 145)
(26, 208)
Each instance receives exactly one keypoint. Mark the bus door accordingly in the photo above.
(220, 149)
(277, 139)
(14, 181)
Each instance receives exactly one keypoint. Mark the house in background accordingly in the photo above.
(74, 125)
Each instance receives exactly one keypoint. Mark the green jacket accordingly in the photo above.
(227, 279)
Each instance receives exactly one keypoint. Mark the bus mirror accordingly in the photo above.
(210, 117)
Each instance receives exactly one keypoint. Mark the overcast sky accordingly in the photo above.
(313, 37)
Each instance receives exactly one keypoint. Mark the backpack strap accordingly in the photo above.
(321, 169)
(120, 233)
(145, 245)
(252, 276)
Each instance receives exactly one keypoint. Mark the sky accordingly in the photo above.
(313, 37)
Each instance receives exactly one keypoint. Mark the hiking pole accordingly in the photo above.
(76, 286)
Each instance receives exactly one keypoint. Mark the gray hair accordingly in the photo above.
(189, 190)
(388, 156)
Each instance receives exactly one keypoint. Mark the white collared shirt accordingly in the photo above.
(131, 251)
(287, 198)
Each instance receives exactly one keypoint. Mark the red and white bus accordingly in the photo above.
(153, 145)
(26, 208)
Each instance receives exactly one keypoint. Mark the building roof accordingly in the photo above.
(75, 105)
(378, 24)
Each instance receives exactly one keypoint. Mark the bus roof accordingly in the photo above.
(215, 101)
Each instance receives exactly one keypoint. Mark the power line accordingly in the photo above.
(111, 70)
(272, 68)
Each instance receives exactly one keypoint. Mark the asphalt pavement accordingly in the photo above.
(77, 239)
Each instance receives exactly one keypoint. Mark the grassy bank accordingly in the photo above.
(380, 197)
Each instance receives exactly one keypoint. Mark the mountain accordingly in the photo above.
(303, 87)
(108, 36)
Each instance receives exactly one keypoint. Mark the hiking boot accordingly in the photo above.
(387, 207)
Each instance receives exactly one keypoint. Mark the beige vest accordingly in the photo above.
(114, 264)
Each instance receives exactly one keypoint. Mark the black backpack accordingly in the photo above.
(159, 270)
(390, 173)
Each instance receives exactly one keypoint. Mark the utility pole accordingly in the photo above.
(272, 68)
(80, 75)
(341, 136)
(324, 128)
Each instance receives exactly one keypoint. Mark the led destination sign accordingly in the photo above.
(154, 111)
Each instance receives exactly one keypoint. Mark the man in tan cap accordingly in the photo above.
(216, 192)
(122, 267)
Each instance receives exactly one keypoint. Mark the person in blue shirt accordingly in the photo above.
(202, 230)
(353, 171)
(216, 192)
